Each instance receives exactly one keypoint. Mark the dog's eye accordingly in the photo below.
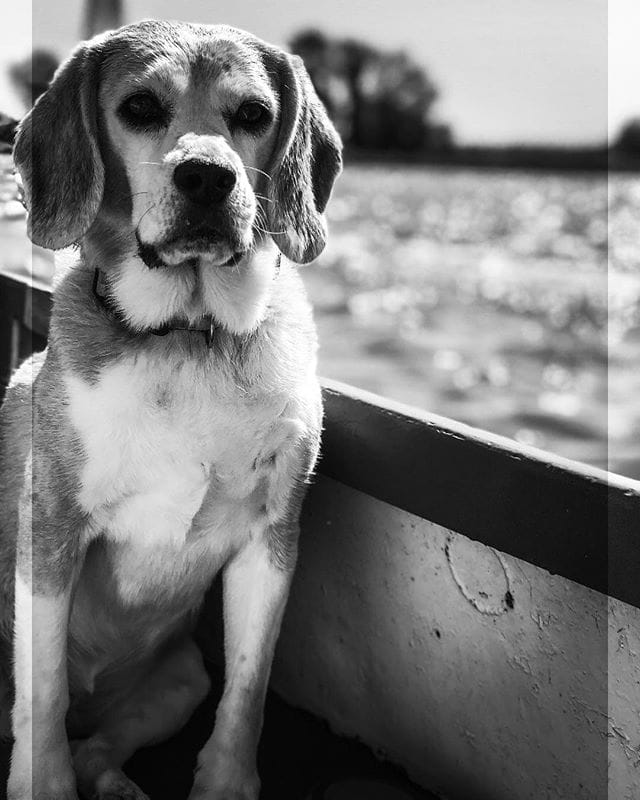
(143, 110)
(252, 116)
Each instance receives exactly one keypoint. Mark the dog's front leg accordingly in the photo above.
(45, 564)
(256, 586)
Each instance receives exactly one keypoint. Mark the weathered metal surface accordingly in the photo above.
(484, 676)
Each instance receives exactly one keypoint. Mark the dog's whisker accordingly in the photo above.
(151, 207)
(153, 163)
(261, 171)
(271, 233)
(129, 196)
(261, 224)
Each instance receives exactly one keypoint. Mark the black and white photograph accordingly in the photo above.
(320, 400)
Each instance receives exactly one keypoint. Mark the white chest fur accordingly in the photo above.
(159, 438)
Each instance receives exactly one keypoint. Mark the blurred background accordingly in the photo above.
(482, 263)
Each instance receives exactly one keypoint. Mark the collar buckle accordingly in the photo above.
(208, 334)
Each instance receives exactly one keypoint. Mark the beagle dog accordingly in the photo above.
(169, 429)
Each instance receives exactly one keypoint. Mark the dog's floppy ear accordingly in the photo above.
(57, 154)
(306, 162)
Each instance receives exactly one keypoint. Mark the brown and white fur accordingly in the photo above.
(136, 466)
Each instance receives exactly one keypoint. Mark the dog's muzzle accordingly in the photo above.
(205, 226)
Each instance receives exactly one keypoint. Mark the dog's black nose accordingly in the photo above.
(203, 183)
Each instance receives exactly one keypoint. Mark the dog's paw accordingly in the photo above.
(49, 777)
(53, 791)
(218, 788)
(113, 784)
(58, 787)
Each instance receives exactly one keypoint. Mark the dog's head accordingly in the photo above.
(192, 142)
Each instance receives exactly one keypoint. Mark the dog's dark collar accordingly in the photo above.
(207, 324)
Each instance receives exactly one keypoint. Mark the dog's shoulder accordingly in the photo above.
(19, 414)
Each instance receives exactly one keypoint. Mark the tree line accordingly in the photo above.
(382, 104)
(378, 100)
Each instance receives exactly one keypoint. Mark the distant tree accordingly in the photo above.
(378, 100)
(31, 76)
(314, 47)
(398, 98)
(629, 137)
(357, 57)
(101, 15)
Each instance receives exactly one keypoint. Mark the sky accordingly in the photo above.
(530, 71)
